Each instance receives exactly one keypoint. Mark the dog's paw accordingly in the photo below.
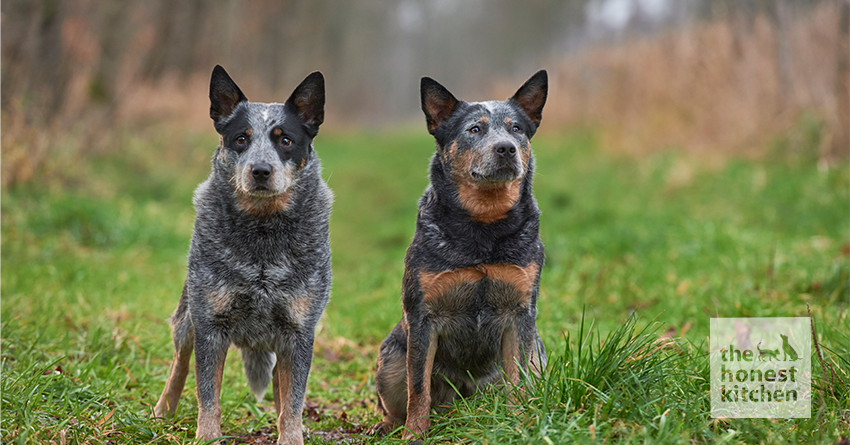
(381, 428)
(161, 414)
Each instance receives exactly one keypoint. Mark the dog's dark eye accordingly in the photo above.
(475, 129)
(286, 142)
(241, 141)
(515, 129)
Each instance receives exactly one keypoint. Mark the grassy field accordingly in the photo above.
(641, 253)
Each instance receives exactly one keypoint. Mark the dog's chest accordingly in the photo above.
(471, 308)
(258, 304)
(475, 296)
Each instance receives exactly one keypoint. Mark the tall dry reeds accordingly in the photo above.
(731, 85)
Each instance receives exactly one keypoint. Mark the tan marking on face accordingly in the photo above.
(249, 131)
(221, 301)
(485, 119)
(222, 153)
(460, 163)
(508, 120)
(303, 163)
(450, 153)
(277, 132)
(485, 202)
(262, 206)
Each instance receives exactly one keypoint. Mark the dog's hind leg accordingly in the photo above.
(538, 361)
(511, 354)
(184, 341)
(258, 370)
(391, 383)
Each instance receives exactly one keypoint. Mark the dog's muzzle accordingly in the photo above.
(502, 163)
(262, 179)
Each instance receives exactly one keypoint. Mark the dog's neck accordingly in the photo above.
(486, 203)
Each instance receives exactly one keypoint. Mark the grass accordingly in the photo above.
(641, 253)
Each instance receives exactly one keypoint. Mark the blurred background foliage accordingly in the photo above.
(711, 76)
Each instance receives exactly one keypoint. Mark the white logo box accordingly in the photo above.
(761, 367)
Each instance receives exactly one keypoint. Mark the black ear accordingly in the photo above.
(224, 95)
(308, 99)
(531, 96)
(437, 103)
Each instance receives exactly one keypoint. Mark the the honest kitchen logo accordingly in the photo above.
(747, 374)
(760, 367)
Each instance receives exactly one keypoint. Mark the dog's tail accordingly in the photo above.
(258, 370)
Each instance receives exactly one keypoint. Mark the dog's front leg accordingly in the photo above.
(289, 379)
(421, 348)
(210, 352)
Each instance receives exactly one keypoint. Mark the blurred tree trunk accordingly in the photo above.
(113, 35)
(841, 134)
(50, 57)
(155, 60)
(176, 31)
(196, 11)
(778, 12)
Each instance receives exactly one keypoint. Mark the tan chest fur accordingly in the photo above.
(457, 291)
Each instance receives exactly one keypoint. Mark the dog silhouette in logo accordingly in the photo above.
(767, 353)
(788, 350)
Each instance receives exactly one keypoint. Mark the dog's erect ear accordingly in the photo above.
(531, 96)
(224, 95)
(437, 103)
(308, 100)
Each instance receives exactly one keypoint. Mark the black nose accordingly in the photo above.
(506, 149)
(261, 171)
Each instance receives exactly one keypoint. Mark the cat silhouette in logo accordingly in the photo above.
(767, 353)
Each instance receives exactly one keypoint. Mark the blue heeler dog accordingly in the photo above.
(472, 271)
(259, 272)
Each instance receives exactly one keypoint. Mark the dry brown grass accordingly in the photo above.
(710, 87)
(23, 150)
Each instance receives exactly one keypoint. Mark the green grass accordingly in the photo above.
(93, 265)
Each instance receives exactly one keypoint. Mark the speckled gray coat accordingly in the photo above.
(259, 271)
